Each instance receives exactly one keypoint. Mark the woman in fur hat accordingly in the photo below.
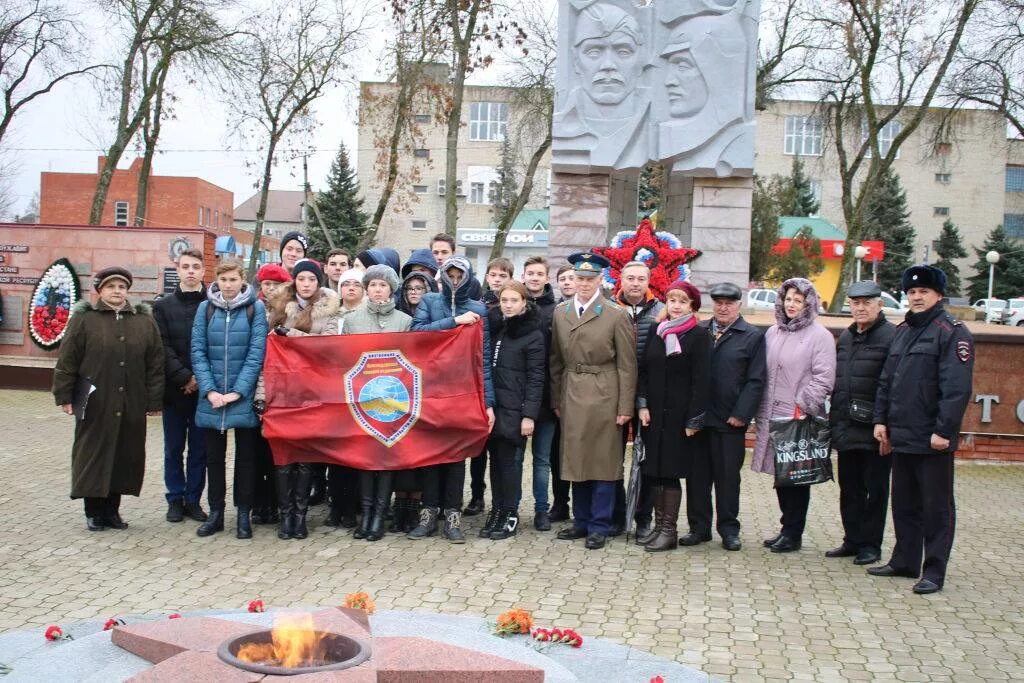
(378, 314)
(301, 308)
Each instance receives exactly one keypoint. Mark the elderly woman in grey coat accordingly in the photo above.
(801, 371)
(377, 314)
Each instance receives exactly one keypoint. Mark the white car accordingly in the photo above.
(1016, 313)
(761, 299)
(890, 305)
(995, 310)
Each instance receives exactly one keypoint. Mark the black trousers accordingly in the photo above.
(864, 497)
(343, 488)
(793, 502)
(265, 488)
(645, 504)
(442, 485)
(664, 482)
(477, 475)
(97, 507)
(923, 513)
(717, 462)
(245, 467)
(506, 478)
(559, 487)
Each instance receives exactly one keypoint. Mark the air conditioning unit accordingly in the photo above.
(459, 192)
(441, 187)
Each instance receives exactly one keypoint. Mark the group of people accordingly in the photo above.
(578, 373)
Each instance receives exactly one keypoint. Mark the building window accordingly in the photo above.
(886, 134)
(216, 218)
(488, 120)
(419, 189)
(419, 225)
(476, 193)
(121, 214)
(421, 153)
(208, 216)
(941, 211)
(1015, 178)
(1013, 225)
(946, 178)
(423, 119)
(803, 135)
(200, 216)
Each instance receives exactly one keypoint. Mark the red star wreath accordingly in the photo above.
(663, 253)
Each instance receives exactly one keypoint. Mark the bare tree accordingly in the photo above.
(417, 44)
(288, 58)
(40, 46)
(882, 64)
(158, 31)
(786, 41)
(989, 68)
(533, 103)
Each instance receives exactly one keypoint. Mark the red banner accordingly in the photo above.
(388, 401)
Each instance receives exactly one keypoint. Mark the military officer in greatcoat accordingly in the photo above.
(593, 388)
(921, 399)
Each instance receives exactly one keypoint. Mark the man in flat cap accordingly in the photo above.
(864, 463)
(593, 387)
(922, 396)
(738, 373)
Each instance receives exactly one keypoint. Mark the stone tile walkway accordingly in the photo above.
(740, 616)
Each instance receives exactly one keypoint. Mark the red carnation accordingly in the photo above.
(110, 623)
(657, 679)
(256, 606)
(174, 616)
(54, 633)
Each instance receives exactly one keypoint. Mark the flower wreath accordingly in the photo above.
(52, 303)
(662, 251)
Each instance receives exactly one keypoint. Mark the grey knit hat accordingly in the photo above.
(382, 272)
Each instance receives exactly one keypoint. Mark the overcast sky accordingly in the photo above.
(68, 129)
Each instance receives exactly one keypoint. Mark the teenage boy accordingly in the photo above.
(337, 263)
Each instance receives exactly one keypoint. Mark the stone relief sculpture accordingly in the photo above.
(668, 82)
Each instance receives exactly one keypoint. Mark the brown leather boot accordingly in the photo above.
(659, 513)
(666, 538)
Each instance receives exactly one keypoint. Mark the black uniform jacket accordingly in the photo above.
(860, 357)
(174, 315)
(926, 383)
(739, 373)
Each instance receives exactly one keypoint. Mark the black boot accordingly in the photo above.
(214, 522)
(112, 512)
(365, 504)
(303, 485)
(243, 527)
(401, 515)
(507, 524)
(318, 485)
(333, 515)
(285, 480)
(381, 498)
(493, 517)
(427, 525)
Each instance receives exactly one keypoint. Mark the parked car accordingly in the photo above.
(890, 306)
(1015, 315)
(761, 298)
(992, 310)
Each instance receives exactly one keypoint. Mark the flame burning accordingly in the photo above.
(295, 643)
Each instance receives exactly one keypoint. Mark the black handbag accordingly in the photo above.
(861, 410)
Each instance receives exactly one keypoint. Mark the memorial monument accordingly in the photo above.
(671, 82)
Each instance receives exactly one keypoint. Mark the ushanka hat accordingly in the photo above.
(924, 276)
(112, 273)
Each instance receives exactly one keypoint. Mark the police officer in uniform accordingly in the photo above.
(922, 396)
(593, 388)
(738, 376)
(864, 466)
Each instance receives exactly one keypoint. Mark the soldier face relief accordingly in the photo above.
(609, 66)
(685, 85)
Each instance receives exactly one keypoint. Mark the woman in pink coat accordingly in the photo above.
(801, 372)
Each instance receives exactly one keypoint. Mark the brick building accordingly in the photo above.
(172, 201)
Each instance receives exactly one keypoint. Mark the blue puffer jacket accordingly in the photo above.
(227, 356)
(437, 312)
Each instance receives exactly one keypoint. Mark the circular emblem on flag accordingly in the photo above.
(384, 392)
(384, 399)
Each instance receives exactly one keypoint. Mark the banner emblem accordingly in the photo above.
(384, 392)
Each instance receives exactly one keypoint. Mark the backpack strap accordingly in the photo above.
(250, 311)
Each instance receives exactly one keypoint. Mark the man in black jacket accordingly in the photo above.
(922, 396)
(174, 314)
(864, 465)
(738, 376)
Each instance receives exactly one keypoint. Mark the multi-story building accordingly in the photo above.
(417, 210)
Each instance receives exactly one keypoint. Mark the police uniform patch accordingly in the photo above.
(963, 350)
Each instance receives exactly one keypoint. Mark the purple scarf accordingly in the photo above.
(671, 330)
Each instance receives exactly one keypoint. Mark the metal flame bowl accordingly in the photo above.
(339, 652)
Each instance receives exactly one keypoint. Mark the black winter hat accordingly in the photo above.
(298, 237)
(307, 265)
(924, 276)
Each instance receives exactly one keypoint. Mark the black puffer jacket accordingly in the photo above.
(641, 315)
(518, 370)
(174, 315)
(860, 357)
(546, 305)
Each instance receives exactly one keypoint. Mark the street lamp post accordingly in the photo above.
(859, 253)
(993, 258)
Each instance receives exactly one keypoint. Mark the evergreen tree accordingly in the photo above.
(652, 189)
(886, 219)
(1008, 281)
(950, 246)
(764, 226)
(802, 259)
(504, 190)
(341, 209)
(800, 196)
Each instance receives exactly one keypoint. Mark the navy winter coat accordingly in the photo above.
(227, 356)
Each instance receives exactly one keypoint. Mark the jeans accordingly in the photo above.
(592, 505)
(543, 438)
(183, 484)
(245, 467)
